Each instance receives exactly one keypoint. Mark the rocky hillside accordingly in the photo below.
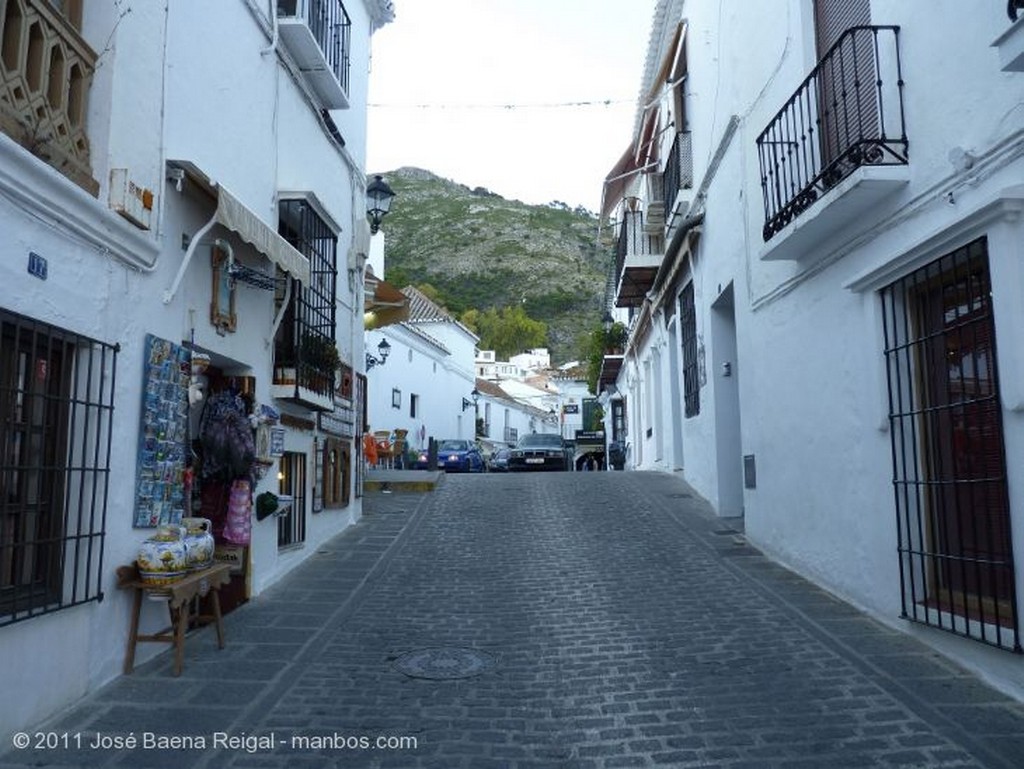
(480, 250)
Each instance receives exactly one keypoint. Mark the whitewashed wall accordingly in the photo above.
(808, 364)
(416, 366)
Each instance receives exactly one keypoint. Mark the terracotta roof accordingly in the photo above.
(424, 310)
(421, 308)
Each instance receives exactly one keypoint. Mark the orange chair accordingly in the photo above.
(385, 449)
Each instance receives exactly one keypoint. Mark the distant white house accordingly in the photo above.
(425, 386)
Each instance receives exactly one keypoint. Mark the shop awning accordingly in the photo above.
(384, 305)
(237, 217)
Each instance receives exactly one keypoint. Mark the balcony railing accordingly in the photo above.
(638, 254)
(318, 34)
(45, 71)
(678, 170)
(634, 241)
(847, 113)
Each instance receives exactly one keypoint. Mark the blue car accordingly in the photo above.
(455, 456)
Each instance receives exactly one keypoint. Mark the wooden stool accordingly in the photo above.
(179, 596)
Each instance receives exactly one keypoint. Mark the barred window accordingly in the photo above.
(688, 325)
(949, 464)
(291, 526)
(56, 417)
(308, 330)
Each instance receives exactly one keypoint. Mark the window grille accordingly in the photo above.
(949, 466)
(688, 325)
(56, 417)
(291, 527)
(619, 419)
(308, 328)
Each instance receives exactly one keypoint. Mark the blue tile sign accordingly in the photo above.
(37, 265)
(276, 442)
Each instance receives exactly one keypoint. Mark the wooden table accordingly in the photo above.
(179, 596)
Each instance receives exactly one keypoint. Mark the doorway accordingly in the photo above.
(726, 371)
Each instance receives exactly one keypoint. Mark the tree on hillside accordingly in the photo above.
(507, 331)
(432, 293)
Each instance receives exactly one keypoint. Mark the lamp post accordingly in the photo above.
(384, 349)
(466, 403)
(378, 202)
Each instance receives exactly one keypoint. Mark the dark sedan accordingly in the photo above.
(498, 462)
(539, 451)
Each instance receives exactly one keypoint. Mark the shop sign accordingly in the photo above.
(276, 442)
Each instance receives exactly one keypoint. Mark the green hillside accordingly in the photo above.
(480, 250)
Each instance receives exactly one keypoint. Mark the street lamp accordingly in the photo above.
(378, 202)
(466, 403)
(384, 349)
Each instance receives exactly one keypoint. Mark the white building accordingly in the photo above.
(426, 384)
(819, 245)
(505, 419)
(185, 178)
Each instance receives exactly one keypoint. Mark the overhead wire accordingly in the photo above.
(507, 106)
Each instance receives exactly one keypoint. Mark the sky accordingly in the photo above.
(532, 99)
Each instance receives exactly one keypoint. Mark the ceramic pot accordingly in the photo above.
(163, 557)
(199, 541)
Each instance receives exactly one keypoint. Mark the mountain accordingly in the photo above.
(480, 250)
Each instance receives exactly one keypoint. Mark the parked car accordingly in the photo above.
(498, 463)
(455, 455)
(538, 451)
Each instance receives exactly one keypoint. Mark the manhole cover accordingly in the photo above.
(680, 496)
(443, 664)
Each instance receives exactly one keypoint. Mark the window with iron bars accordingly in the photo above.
(306, 338)
(291, 527)
(691, 373)
(56, 417)
(949, 465)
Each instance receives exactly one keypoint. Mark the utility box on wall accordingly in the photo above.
(133, 202)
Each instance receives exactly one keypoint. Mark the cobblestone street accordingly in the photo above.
(584, 620)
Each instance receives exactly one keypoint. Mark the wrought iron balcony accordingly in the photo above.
(318, 35)
(45, 71)
(638, 256)
(847, 114)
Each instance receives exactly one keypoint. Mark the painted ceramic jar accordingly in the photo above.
(163, 557)
(199, 540)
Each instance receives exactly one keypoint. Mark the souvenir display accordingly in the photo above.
(199, 540)
(160, 487)
(163, 557)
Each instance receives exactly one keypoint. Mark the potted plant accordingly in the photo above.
(615, 339)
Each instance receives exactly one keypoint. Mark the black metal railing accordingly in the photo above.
(846, 114)
(633, 241)
(331, 27)
(56, 421)
(948, 456)
(306, 340)
(678, 169)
